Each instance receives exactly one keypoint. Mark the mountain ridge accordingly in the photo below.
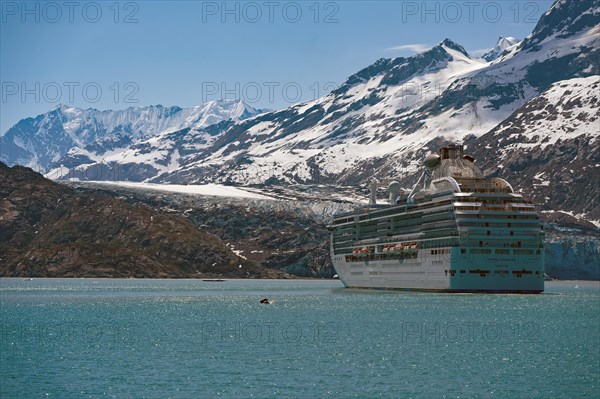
(41, 141)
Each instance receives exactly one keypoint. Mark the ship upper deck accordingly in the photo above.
(448, 174)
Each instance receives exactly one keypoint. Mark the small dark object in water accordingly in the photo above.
(265, 301)
(214, 280)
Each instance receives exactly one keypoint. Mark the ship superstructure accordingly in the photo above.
(455, 231)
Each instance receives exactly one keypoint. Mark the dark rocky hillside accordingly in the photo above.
(47, 229)
(283, 235)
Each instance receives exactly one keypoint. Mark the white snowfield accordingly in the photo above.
(214, 190)
(566, 110)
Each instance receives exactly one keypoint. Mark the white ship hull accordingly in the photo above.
(480, 273)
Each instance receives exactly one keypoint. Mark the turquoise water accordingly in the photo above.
(87, 338)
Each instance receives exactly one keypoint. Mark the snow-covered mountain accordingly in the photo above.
(501, 46)
(41, 141)
(363, 114)
(384, 119)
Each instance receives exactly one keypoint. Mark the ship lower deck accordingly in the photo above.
(450, 271)
(451, 291)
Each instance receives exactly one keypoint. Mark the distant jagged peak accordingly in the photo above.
(396, 70)
(241, 110)
(236, 108)
(447, 43)
(503, 44)
(59, 106)
(65, 109)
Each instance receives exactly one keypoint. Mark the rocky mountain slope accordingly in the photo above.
(550, 149)
(284, 234)
(47, 229)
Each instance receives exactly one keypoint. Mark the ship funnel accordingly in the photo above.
(453, 151)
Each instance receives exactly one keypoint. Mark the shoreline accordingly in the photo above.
(224, 279)
(172, 278)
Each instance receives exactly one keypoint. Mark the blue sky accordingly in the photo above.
(110, 55)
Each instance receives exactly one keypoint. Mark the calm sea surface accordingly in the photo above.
(97, 338)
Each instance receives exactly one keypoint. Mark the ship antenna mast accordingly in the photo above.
(412, 193)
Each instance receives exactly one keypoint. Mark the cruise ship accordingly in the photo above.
(455, 231)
